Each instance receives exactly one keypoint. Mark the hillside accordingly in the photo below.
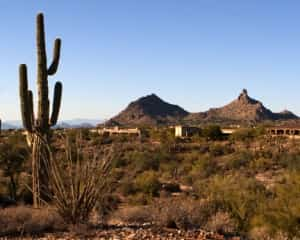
(149, 110)
(152, 110)
(242, 109)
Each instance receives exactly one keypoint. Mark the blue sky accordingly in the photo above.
(196, 53)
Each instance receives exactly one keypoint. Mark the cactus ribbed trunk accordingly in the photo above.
(40, 165)
(38, 128)
(42, 76)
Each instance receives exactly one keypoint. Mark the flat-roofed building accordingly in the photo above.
(285, 130)
(186, 131)
(116, 131)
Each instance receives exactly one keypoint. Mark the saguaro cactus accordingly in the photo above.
(38, 127)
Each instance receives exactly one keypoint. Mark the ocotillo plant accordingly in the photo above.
(38, 127)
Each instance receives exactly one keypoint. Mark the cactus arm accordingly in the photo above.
(30, 104)
(56, 56)
(42, 81)
(56, 103)
(25, 108)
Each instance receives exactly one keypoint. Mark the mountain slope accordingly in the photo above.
(244, 109)
(149, 110)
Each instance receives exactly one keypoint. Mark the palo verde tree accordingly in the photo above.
(38, 127)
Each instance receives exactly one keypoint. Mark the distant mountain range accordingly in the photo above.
(73, 123)
(152, 110)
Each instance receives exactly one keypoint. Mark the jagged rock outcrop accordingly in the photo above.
(243, 109)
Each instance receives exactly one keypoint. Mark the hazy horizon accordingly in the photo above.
(197, 55)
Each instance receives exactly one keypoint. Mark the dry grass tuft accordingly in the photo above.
(133, 215)
(21, 220)
(181, 213)
(221, 223)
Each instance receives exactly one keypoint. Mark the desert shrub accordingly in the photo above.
(167, 138)
(79, 183)
(261, 164)
(180, 213)
(148, 183)
(222, 223)
(282, 213)
(219, 150)
(204, 167)
(190, 157)
(134, 215)
(245, 134)
(261, 232)
(143, 161)
(106, 204)
(118, 162)
(265, 153)
(288, 160)
(85, 134)
(239, 196)
(216, 150)
(13, 156)
(127, 187)
(72, 135)
(18, 221)
(162, 156)
(260, 130)
(203, 148)
(6, 201)
(25, 196)
(212, 132)
(139, 198)
(238, 160)
(187, 179)
(169, 169)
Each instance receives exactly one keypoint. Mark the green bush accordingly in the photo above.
(148, 183)
(13, 156)
(218, 150)
(168, 170)
(237, 195)
(139, 199)
(143, 161)
(204, 167)
(290, 161)
(261, 164)
(238, 160)
(282, 213)
(213, 132)
(245, 134)
(127, 188)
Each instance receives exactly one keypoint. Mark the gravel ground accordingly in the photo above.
(129, 233)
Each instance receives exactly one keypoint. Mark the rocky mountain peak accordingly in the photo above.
(149, 110)
(244, 93)
(245, 99)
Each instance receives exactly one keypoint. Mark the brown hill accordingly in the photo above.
(243, 109)
(149, 110)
